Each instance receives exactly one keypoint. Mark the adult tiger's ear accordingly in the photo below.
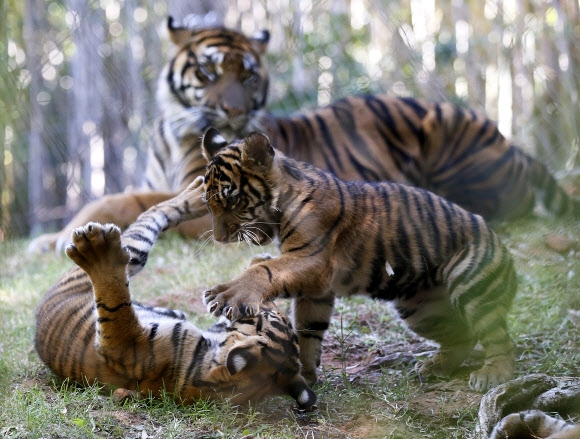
(211, 143)
(258, 150)
(260, 41)
(178, 35)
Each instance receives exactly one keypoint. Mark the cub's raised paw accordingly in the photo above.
(97, 247)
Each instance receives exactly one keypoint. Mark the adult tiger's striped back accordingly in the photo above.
(217, 78)
(89, 330)
(454, 152)
(448, 275)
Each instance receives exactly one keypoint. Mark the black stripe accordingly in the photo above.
(113, 309)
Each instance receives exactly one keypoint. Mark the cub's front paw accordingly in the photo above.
(97, 247)
(226, 299)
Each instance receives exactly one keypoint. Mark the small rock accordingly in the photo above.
(120, 395)
(561, 243)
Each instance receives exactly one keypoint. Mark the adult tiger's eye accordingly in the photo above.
(208, 72)
(251, 78)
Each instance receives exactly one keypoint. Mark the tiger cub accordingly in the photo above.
(89, 330)
(448, 275)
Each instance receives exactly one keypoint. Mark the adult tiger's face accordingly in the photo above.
(216, 79)
(236, 193)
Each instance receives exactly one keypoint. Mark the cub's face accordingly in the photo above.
(261, 358)
(236, 192)
(216, 79)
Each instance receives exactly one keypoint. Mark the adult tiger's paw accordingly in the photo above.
(231, 301)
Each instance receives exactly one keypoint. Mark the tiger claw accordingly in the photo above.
(250, 311)
(207, 297)
(212, 308)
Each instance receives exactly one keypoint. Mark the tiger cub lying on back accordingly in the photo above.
(447, 274)
(89, 330)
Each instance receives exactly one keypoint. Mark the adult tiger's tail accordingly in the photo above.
(553, 196)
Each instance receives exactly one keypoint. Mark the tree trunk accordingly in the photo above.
(85, 136)
(35, 26)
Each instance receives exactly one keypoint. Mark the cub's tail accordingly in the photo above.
(552, 195)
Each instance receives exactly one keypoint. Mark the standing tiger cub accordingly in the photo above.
(89, 330)
(448, 275)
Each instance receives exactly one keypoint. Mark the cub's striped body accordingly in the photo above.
(89, 330)
(447, 274)
(217, 78)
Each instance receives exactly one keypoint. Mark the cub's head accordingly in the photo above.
(261, 358)
(237, 190)
(217, 78)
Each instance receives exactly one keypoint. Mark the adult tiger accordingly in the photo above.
(218, 79)
(89, 330)
(448, 275)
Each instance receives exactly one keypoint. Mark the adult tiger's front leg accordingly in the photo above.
(119, 209)
(123, 210)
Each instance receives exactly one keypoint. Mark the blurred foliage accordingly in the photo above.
(517, 61)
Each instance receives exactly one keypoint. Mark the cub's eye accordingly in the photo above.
(233, 200)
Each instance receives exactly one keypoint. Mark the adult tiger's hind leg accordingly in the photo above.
(98, 251)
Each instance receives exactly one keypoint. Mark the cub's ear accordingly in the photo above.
(257, 150)
(211, 143)
(260, 41)
(178, 35)
(242, 357)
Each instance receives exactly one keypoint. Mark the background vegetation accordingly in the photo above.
(78, 79)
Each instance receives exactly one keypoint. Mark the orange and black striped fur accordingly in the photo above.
(448, 275)
(217, 78)
(89, 330)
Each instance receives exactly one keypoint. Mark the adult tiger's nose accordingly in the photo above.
(233, 110)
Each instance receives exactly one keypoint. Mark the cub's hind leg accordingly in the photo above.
(98, 251)
(481, 283)
(429, 313)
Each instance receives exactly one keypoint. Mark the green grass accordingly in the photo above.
(357, 398)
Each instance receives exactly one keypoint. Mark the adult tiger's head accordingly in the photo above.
(236, 192)
(217, 78)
